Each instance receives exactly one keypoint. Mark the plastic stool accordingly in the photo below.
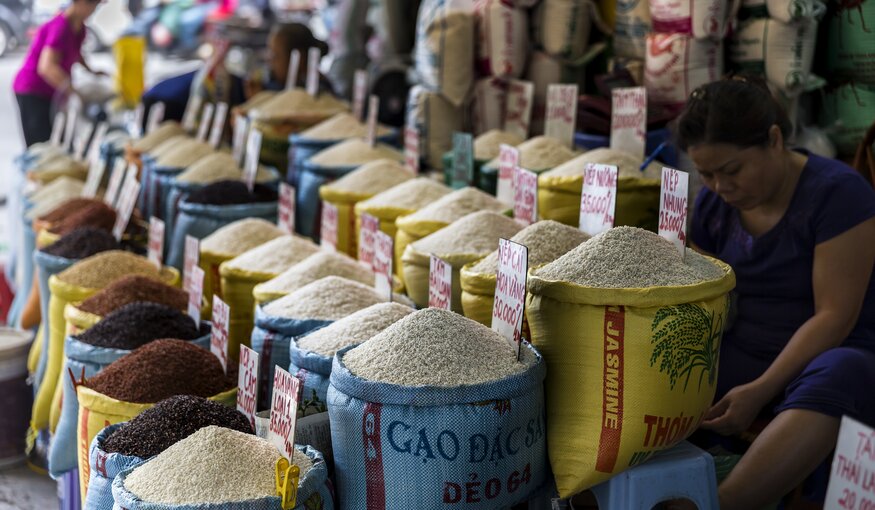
(681, 472)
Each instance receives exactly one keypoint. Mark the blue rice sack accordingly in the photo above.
(314, 371)
(104, 468)
(308, 205)
(46, 266)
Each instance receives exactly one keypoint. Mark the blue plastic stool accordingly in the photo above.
(681, 472)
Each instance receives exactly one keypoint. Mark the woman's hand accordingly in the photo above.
(737, 410)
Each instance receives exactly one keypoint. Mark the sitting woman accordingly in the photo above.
(799, 231)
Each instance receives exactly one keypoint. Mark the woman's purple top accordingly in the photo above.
(58, 35)
(774, 271)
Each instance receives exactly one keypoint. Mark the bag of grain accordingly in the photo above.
(241, 274)
(546, 240)
(64, 166)
(562, 27)
(315, 267)
(444, 51)
(676, 64)
(361, 184)
(138, 380)
(543, 71)
(488, 105)
(464, 241)
(631, 28)
(158, 170)
(442, 397)
(849, 45)
(439, 214)
(326, 166)
(538, 155)
(847, 112)
(104, 467)
(486, 148)
(702, 19)
(502, 39)
(164, 132)
(637, 192)
(238, 476)
(631, 328)
(436, 119)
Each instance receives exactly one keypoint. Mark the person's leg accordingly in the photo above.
(36, 118)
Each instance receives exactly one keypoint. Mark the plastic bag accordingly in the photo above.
(444, 52)
(502, 39)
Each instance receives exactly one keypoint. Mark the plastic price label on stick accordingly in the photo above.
(218, 127)
(81, 145)
(195, 294)
(411, 149)
(328, 227)
(673, 198)
(294, 66)
(629, 120)
(518, 115)
(219, 331)
(598, 198)
(525, 196)
(286, 212)
(359, 93)
(561, 113)
(247, 383)
(156, 241)
(284, 412)
(156, 116)
(119, 169)
(241, 135)
(96, 143)
(508, 161)
(367, 233)
(852, 477)
(510, 291)
(96, 164)
(70, 127)
(191, 258)
(192, 109)
(135, 124)
(440, 283)
(126, 205)
(384, 249)
(206, 119)
(373, 113)
(314, 55)
(253, 151)
(58, 129)
(463, 160)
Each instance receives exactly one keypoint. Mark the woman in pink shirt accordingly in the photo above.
(45, 74)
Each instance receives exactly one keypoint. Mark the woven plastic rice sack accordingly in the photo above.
(847, 112)
(702, 19)
(104, 467)
(677, 64)
(543, 71)
(488, 105)
(436, 119)
(631, 28)
(486, 149)
(644, 359)
(165, 131)
(502, 39)
(637, 192)
(562, 27)
(849, 44)
(444, 52)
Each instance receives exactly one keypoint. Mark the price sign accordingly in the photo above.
(853, 468)
(508, 161)
(561, 113)
(411, 148)
(314, 55)
(518, 116)
(463, 160)
(525, 196)
(218, 128)
(195, 294)
(119, 169)
(673, 199)
(241, 134)
(81, 144)
(219, 332)
(373, 112)
(206, 117)
(247, 383)
(156, 241)
(367, 233)
(70, 127)
(359, 93)
(97, 166)
(156, 116)
(284, 412)
(191, 258)
(294, 67)
(253, 151)
(135, 125)
(598, 198)
(58, 129)
(510, 291)
(96, 144)
(126, 203)
(440, 283)
(328, 227)
(384, 252)
(192, 109)
(629, 120)
(286, 213)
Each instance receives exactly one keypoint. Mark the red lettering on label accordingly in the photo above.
(612, 397)
(375, 485)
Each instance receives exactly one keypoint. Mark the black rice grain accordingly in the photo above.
(137, 324)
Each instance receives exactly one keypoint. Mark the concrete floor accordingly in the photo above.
(22, 489)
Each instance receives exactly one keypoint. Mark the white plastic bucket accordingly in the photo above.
(15, 397)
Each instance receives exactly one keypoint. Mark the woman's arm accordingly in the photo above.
(49, 68)
(840, 277)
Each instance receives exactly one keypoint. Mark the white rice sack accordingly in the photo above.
(562, 27)
(783, 52)
(631, 28)
(544, 71)
(502, 39)
(702, 19)
(436, 119)
(444, 51)
(487, 109)
(677, 64)
(791, 11)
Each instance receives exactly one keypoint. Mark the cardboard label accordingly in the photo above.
(135, 126)
(510, 291)
(463, 160)
(315, 430)
(561, 113)
(156, 241)
(440, 283)
(286, 212)
(359, 93)
(629, 120)
(70, 127)
(126, 204)
(195, 294)
(96, 143)
(119, 170)
(598, 198)
(241, 135)
(328, 230)
(192, 109)
(247, 384)
(384, 254)
(58, 129)
(508, 161)
(673, 198)
(253, 152)
(518, 117)
(191, 258)
(852, 477)
(284, 412)
(367, 233)
(219, 332)
(96, 164)
(206, 118)
(81, 144)
(314, 55)
(156, 116)
(411, 149)
(373, 113)
(294, 66)
(218, 128)
(525, 196)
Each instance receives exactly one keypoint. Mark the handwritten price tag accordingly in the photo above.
(359, 93)
(195, 294)
(241, 135)
(70, 128)
(411, 148)
(629, 120)
(673, 207)
(314, 55)
(192, 109)
(508, 161)
(384, 252)
(81, 144)
(440, 283)
(525, 196)
(206, 118)
(598, 198)
(119, 170)
(191, 258)
(294, 67)
(284, 412)
(510, 291)
(561, 113)
(253, 152)
(135, 127)
(367, 233)
(219, 332)
(97, 165)
(126, 204)
(156, 241)
(97, 143)
(286, 213)
(463, 160)
(218, 128)
(58, 129)
(247, 383)
(373, 113)
(852, 478)
(518, 118)
(328, 227)
(156, 116)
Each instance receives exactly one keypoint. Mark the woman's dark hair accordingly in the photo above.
(738, 110)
